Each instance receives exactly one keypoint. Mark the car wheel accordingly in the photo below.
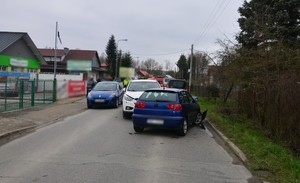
(138, 128)
(198, 119)
(89, 107)
(117, 103)
(183, 129)
(125, 115)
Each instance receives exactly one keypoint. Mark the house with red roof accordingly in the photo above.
(144, 74)
(72, 62)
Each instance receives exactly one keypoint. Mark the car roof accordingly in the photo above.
(167, 89)
(173, 79)
(143, 80)
(116, 82)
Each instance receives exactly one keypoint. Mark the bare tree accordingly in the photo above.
(168, 65)
(149, 64)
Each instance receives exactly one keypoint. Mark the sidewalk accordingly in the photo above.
(16, 121)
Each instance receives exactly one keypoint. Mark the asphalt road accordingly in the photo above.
(100, 146)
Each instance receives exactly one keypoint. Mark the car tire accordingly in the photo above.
(138, 129)
(126, 115)
(183, 129)
(89, 107)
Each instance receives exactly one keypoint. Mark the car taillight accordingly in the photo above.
(140, 105)
(175, 107)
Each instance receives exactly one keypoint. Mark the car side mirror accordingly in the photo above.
(195, 99)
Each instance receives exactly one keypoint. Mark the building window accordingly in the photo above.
(52, 59)
(18, 69)
(32, 70)
(3, 68)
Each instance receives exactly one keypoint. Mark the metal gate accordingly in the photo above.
(20, 94)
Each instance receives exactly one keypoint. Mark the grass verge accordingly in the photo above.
(267, 160)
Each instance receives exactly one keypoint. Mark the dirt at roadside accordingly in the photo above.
(41, 115)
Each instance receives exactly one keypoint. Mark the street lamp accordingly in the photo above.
(116, 71)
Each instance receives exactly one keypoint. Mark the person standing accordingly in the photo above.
(126, 82)
(99, 79)
(90, 84)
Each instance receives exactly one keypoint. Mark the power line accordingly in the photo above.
(214, 16)
(159, 54)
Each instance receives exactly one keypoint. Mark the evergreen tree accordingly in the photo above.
(111, 52)
(264, 21)
(183, 67)
(126, 60)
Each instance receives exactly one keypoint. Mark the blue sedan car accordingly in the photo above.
(166, 108)
(105, 94)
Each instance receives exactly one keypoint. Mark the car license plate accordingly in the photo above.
(155, 121)
(99, 100)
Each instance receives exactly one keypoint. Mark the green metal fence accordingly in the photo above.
(20, 94)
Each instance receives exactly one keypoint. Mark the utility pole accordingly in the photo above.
(191, 63)
(55, 48)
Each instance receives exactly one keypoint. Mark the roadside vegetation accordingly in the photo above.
(268, 160)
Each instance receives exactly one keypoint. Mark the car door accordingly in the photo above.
(195, 108)
(120, 92)
(186, 106)
(192, 107)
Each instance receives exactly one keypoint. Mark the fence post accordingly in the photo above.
(32, 92)
(44, 92)
(54, 90)
(21, 100)
(5, 96)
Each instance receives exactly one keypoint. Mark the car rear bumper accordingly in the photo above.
(157, 121)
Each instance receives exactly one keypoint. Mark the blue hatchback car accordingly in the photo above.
(166, 108)
(105, 94)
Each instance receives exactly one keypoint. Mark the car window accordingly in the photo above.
(105, 87)
(189, 97)
(159, 96)
(184, 98)
(142, 86)
(177, 84)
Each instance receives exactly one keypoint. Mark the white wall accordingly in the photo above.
(62, 82)
(61, 77)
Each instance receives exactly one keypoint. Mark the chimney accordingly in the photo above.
(66, 50)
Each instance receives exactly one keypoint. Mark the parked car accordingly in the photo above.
(159, 80)
(133, 91)
(178, 83)
(7, 90)
(166, 80)
(166, 108)
(105, 94)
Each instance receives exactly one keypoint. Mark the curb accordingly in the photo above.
(3, 135)
(231, 145)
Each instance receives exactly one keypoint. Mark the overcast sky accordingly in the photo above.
(158, 29)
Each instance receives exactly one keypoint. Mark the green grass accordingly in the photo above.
(262, 153)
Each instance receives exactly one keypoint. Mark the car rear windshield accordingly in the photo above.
(177, 84)
(142, 86)
(159, 96)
